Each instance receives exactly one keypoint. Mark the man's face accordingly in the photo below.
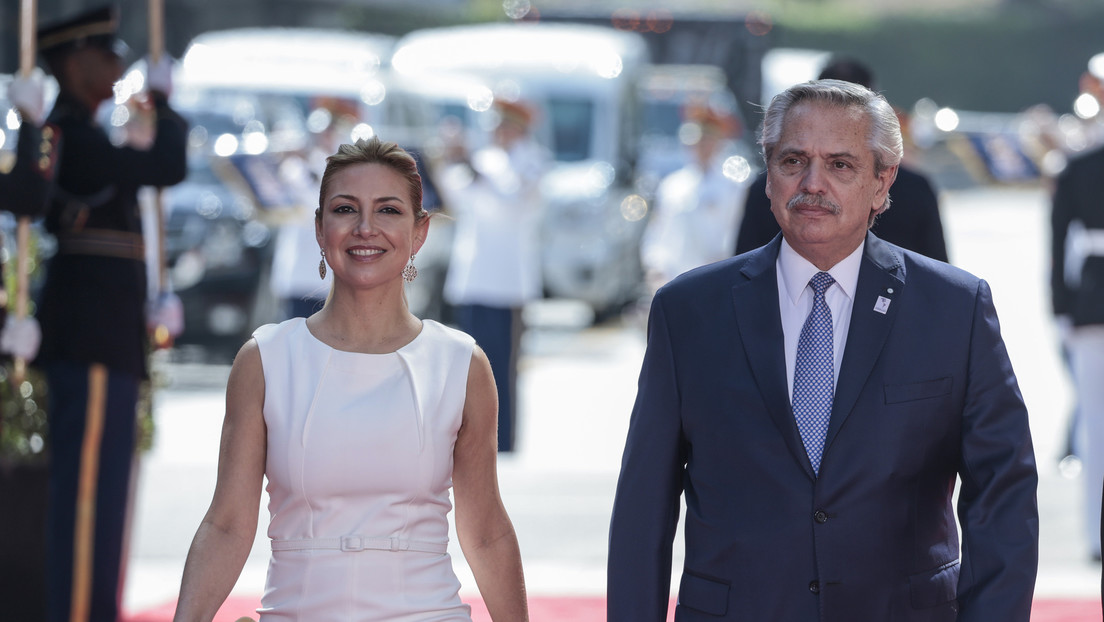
(94, 71)
(821, 181)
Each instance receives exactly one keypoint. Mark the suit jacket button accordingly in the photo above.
(814, 587)
(820, 516)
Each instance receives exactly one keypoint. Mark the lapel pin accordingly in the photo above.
(882, 305)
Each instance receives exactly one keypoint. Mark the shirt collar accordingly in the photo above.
(796, 271)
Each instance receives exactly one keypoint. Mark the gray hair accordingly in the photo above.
(885, 130)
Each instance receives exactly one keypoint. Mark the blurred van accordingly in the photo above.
(582, 81)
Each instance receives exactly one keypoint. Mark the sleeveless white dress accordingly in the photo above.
(359, 469)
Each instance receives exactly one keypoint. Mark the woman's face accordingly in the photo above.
(367, 226)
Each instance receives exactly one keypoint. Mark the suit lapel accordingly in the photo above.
(881, 281)
(760, 327)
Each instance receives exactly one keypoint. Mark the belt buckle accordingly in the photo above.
(351, 544)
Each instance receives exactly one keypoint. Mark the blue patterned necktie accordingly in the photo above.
(814, 380)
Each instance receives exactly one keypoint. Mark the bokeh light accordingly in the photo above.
(120, 115)
(634, 207)
(946, 120)
(480, 98)
(373, 93)
(516, 9)
(759, 23)
(736, 168)
(226, 145)
(362, 131)
(1086, 106)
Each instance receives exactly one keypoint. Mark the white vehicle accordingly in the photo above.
(582, 80)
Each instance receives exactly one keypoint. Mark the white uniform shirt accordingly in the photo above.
(694, 222)
(496, 259)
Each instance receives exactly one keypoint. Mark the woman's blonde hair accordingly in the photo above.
(375, 151)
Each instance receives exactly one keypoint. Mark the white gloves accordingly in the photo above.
(28, 94)
(159, 75)
(21, 337)
(166, 312)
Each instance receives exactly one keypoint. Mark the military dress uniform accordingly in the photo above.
(1077, 294)
(94, 347)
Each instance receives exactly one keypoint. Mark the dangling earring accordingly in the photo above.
(322, 266)
(410, 272)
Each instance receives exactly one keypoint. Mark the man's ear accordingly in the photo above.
(885, 181)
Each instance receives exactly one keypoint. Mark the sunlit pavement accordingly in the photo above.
(577, 387)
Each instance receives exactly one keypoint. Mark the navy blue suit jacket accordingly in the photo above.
(926, 393)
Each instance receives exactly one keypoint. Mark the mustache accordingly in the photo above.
(812, 200)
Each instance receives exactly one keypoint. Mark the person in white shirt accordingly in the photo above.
(495, 264)
(697, 208)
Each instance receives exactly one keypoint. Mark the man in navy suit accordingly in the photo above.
(851, 520)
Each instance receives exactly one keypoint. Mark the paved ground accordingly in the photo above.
(577, 387)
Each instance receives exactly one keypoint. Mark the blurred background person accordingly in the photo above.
(913, 220)
(294, 280)
(362, 418)
(93, 308)
(697, 208)
(495, 266)
(1077, 297)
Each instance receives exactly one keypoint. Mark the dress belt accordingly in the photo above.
(353, 544)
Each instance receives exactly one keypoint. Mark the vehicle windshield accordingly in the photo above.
(571, 126)
(661, 118)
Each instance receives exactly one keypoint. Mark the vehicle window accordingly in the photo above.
(661, 118)
(571, 126)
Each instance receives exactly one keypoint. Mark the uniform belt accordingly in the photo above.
(353, 544)
(102, 243)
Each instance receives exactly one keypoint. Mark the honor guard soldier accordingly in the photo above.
(93, 309)
(26, 177)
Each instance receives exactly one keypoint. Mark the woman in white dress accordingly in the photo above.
(361, 417)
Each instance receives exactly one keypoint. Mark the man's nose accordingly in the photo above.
(814, 180)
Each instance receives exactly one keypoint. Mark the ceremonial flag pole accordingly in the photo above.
(161, 336)
(27, 20)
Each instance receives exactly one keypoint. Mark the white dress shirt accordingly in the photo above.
(795, 301)
(694, 220)
(496, 253)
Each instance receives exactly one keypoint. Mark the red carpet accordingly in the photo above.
(593, 609)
